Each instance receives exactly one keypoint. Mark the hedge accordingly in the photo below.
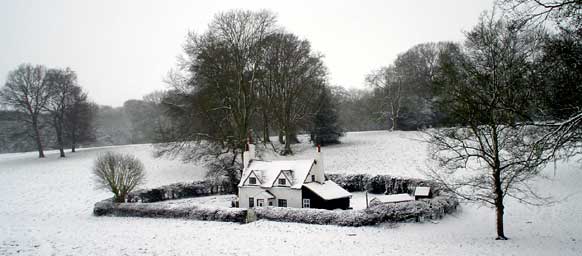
(393, 212)
(140, 204)
(380, 184)
(178, 191)
(153, 210)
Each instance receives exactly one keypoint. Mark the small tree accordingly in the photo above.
(119, 173)
(325, 129)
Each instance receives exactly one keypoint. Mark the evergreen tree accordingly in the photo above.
(325, 128)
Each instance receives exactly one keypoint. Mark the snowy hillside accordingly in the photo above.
(46, 209)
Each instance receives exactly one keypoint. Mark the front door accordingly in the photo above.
(260, 202)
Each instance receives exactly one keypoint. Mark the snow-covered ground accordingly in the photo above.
(46, 209)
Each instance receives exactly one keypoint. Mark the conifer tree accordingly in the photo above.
(325, 129)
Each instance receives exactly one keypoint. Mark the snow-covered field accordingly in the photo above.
(46, 209)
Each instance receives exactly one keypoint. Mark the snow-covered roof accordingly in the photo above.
(268, 171)
(328, 190)
(264, 194)
(395, 198)
(422, 191)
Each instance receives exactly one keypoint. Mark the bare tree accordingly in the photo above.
(228, 60)
(560, 67)
(213, 96)
(293, 78)
(79, 119)
(388, 84)
(567, 14)
(62, 84)
(26, 90)
(495, 153)
(118, 173)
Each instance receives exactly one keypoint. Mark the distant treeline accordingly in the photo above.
(275, 85)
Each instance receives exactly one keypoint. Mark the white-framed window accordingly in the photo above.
(282, 182)
(252, 180)
(260, 202)
(251, 202)
(312, 177)
(306, 203)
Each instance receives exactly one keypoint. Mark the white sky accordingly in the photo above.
(123, 49)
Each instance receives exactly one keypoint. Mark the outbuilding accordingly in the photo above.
(422, 192)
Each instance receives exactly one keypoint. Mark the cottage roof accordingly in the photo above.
(264, 194)
(268, 171)
(394, 198)
(422, 191)
(328, 190)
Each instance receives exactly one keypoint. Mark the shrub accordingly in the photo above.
(377, 184)
(350, 182)
(118, 173)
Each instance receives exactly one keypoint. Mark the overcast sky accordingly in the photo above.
(122, 49)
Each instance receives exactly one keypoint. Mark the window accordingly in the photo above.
(312, 177)
(282, 202)
(282, 181)
(252, 180)
(260, 202)
(251, 202)
(306, 203)
(270, 202)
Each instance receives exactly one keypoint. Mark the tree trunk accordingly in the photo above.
(281, 140)
(60, 141)
(266, 138)
(37, 138)
(500, 232)
(59, 132)
(288, 141)
(499, 205)
(119, 198)
(73, 139)
(294, 139)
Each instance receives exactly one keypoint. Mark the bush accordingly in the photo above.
(118, 173)
(376, 185)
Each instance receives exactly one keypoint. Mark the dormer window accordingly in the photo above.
(252, 180)
(313, 178)
(282, 182)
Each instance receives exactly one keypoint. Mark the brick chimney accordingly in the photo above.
(249, 153)
(320, 173)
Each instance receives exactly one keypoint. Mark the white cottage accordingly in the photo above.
(289, 183)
